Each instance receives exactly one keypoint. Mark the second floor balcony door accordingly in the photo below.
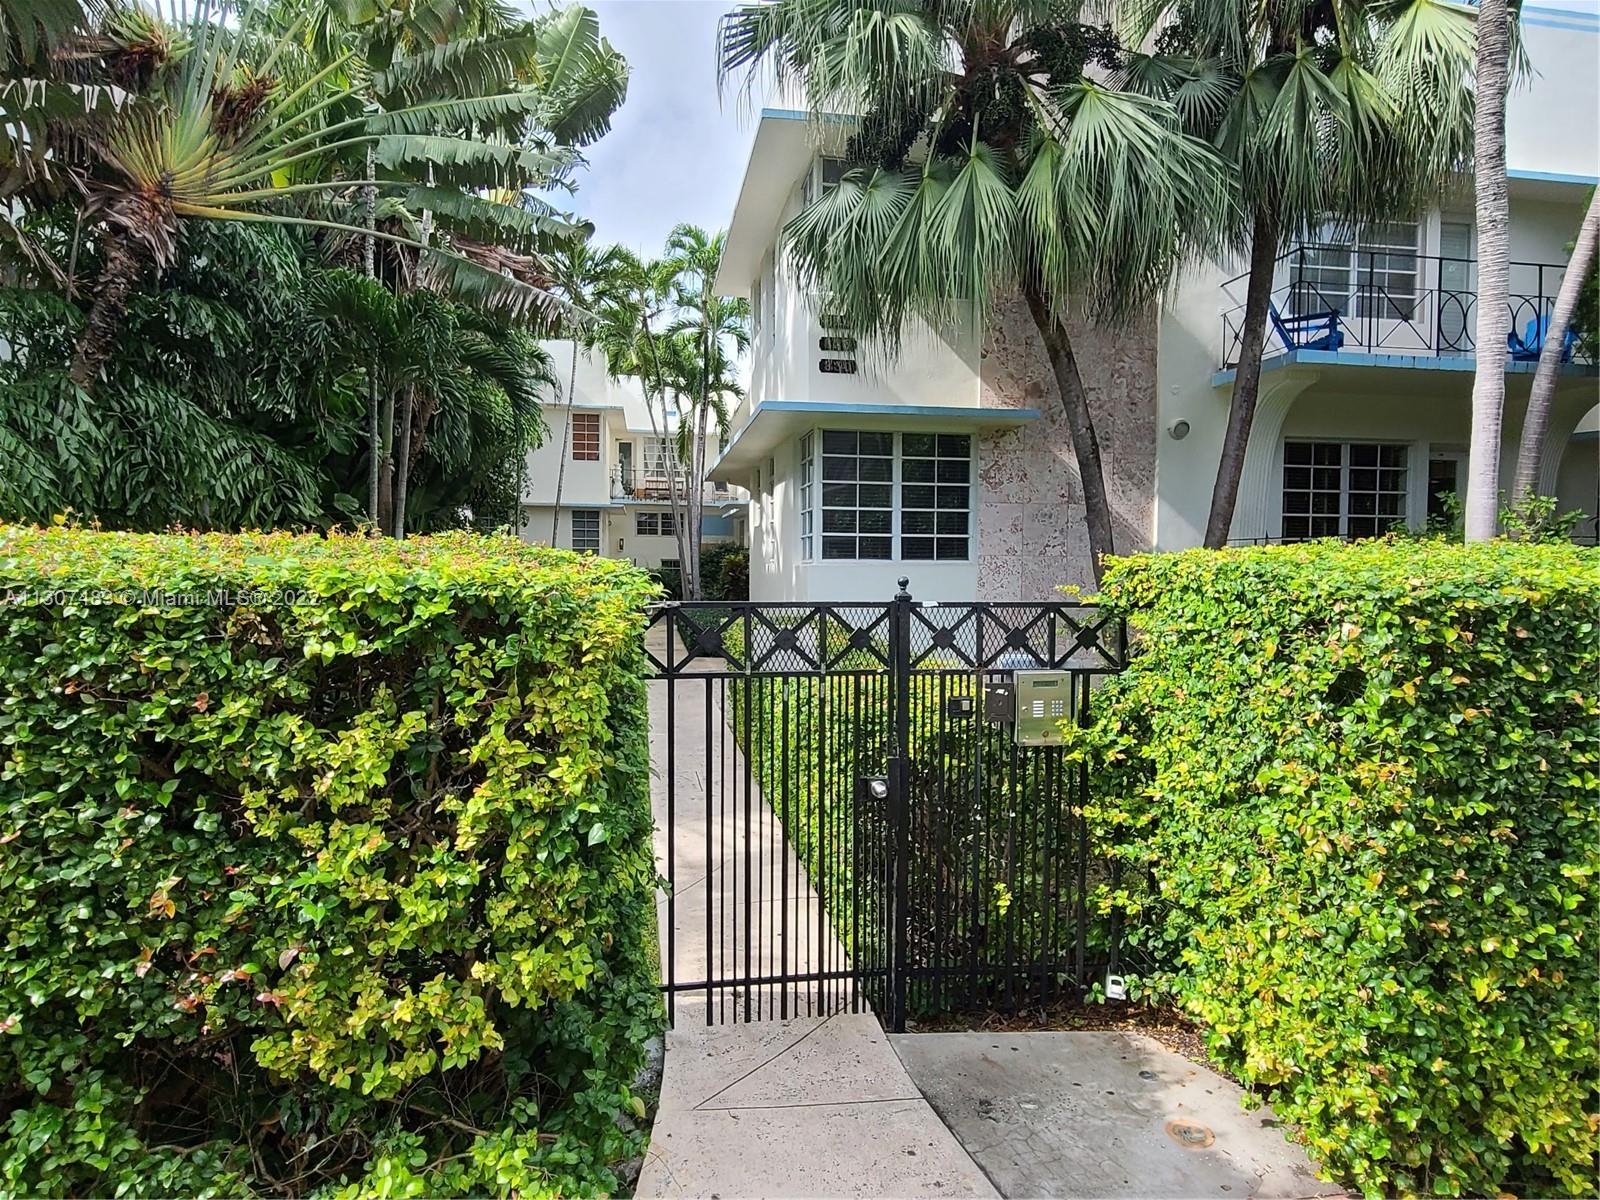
(625, 468)
(1457, 287)
(1370, 279)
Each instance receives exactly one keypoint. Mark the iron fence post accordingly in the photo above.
(899, 802)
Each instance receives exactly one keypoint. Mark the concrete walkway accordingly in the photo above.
(816, 1105)
(813, 1107)
(1103, 1115)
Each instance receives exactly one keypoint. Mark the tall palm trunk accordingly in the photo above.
(119, 275)
(1080, 424)
(1530, 452)
(408, 408)
(386, 463)
(402, 482)
(1246, 378)
(369, 263)
(1494, 269)
(669, 448)
(697, 491)
(561, 465)
(370, 269)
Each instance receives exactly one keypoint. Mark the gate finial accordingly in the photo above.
(904, 593)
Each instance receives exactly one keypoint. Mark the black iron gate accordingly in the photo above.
(847, 817)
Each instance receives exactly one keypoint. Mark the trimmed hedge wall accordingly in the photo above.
(1360, 783)
(328, 871)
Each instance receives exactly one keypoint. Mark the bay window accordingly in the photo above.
(883, 496)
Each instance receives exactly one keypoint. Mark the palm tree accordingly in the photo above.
(215, 135)
(582, 276)
(1530, 451)
(269, 114)
(1329, 114)
(717, 330)
(633, 329)
(442, 363)
(34, 102)
(1481, 510)
(489, 168)
(457, 171)
(990, 160)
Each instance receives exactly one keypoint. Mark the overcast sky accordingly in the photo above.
(676, 150)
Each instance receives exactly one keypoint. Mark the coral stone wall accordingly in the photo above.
(1031, 532)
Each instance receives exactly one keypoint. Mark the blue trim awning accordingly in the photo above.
(775, 420)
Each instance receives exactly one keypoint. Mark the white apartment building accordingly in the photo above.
(953, 465)
(616, 480)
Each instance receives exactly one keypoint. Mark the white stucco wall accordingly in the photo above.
(1550, 118)
(536, 521)
(1029, 534)
(932, 367)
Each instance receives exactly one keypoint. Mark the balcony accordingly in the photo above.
(652, 485)
(1331, 299)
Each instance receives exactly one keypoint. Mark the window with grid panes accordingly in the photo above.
(857, 495)
(1343, 489)
(586, 530)
(1372, 274)
(654, 524)
(585, 437)
(935, 495)
(808, 497)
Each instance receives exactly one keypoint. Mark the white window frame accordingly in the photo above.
(807, 475)
(653, 523)
(1342, 517)
(587, 514)
(857, 511)
(1343, 253)
(812, 454)
(597, 432)
(940, 456)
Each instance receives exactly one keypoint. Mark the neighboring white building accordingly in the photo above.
(614, 484)
(953, 466)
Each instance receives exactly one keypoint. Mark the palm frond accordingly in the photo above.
(33, 28)
(495, 280)
(583, 78)
(474, 162)
(462, 66)
(532, 224)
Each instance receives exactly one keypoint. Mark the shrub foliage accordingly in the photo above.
(1358, 786)
(326, 871)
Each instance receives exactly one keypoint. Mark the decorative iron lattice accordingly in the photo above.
(747, 638)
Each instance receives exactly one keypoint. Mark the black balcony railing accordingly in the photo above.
(653, 484)
(1388, 302)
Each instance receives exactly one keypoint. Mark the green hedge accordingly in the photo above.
(1360, 783)
(325, 871)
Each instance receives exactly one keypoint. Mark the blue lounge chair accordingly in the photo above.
(1526, 348)
(1308, 331)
